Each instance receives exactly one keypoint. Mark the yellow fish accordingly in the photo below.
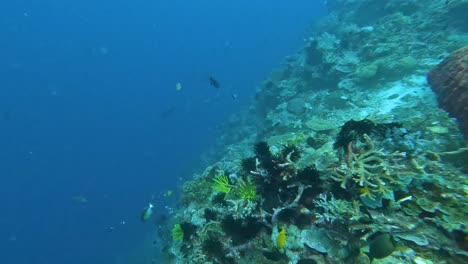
(167, 193)
(364, 191)
(281, 239)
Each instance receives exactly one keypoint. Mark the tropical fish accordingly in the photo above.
(178, 86)
(214, 83)
(167, 193)
(168, 112)
(364, 191)
(79, 199)
(147, 212)
(281, 239)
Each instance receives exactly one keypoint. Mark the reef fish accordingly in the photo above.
(178, 86)
(79, 199)
(281, 239)
(147, 213)
(214, 83)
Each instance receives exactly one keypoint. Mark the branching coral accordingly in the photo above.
(369, 168)
(336, 209)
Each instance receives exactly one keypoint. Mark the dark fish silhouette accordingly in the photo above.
(167, 112)
(214, 83)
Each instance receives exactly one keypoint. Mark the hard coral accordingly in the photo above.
(369, 168)
(449, 80)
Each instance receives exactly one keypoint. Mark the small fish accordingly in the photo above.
(167, 112)
(281, 239)
(178, 86)
(79, 199)
(234, 96)
(214, 83)
(167, 193)
(147, 213)
(364, 190)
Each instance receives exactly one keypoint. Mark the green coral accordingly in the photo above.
(247, 190)
(177, 233)
(221, 183)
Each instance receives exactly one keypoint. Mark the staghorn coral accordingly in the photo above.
(336, 210)
(369, 168)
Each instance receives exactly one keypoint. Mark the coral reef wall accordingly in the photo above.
(345, 155)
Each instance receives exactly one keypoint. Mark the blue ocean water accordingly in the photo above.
(92, 127)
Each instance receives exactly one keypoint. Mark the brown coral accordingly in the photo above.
(449, 80)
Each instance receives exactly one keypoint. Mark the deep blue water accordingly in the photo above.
(89, 108)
